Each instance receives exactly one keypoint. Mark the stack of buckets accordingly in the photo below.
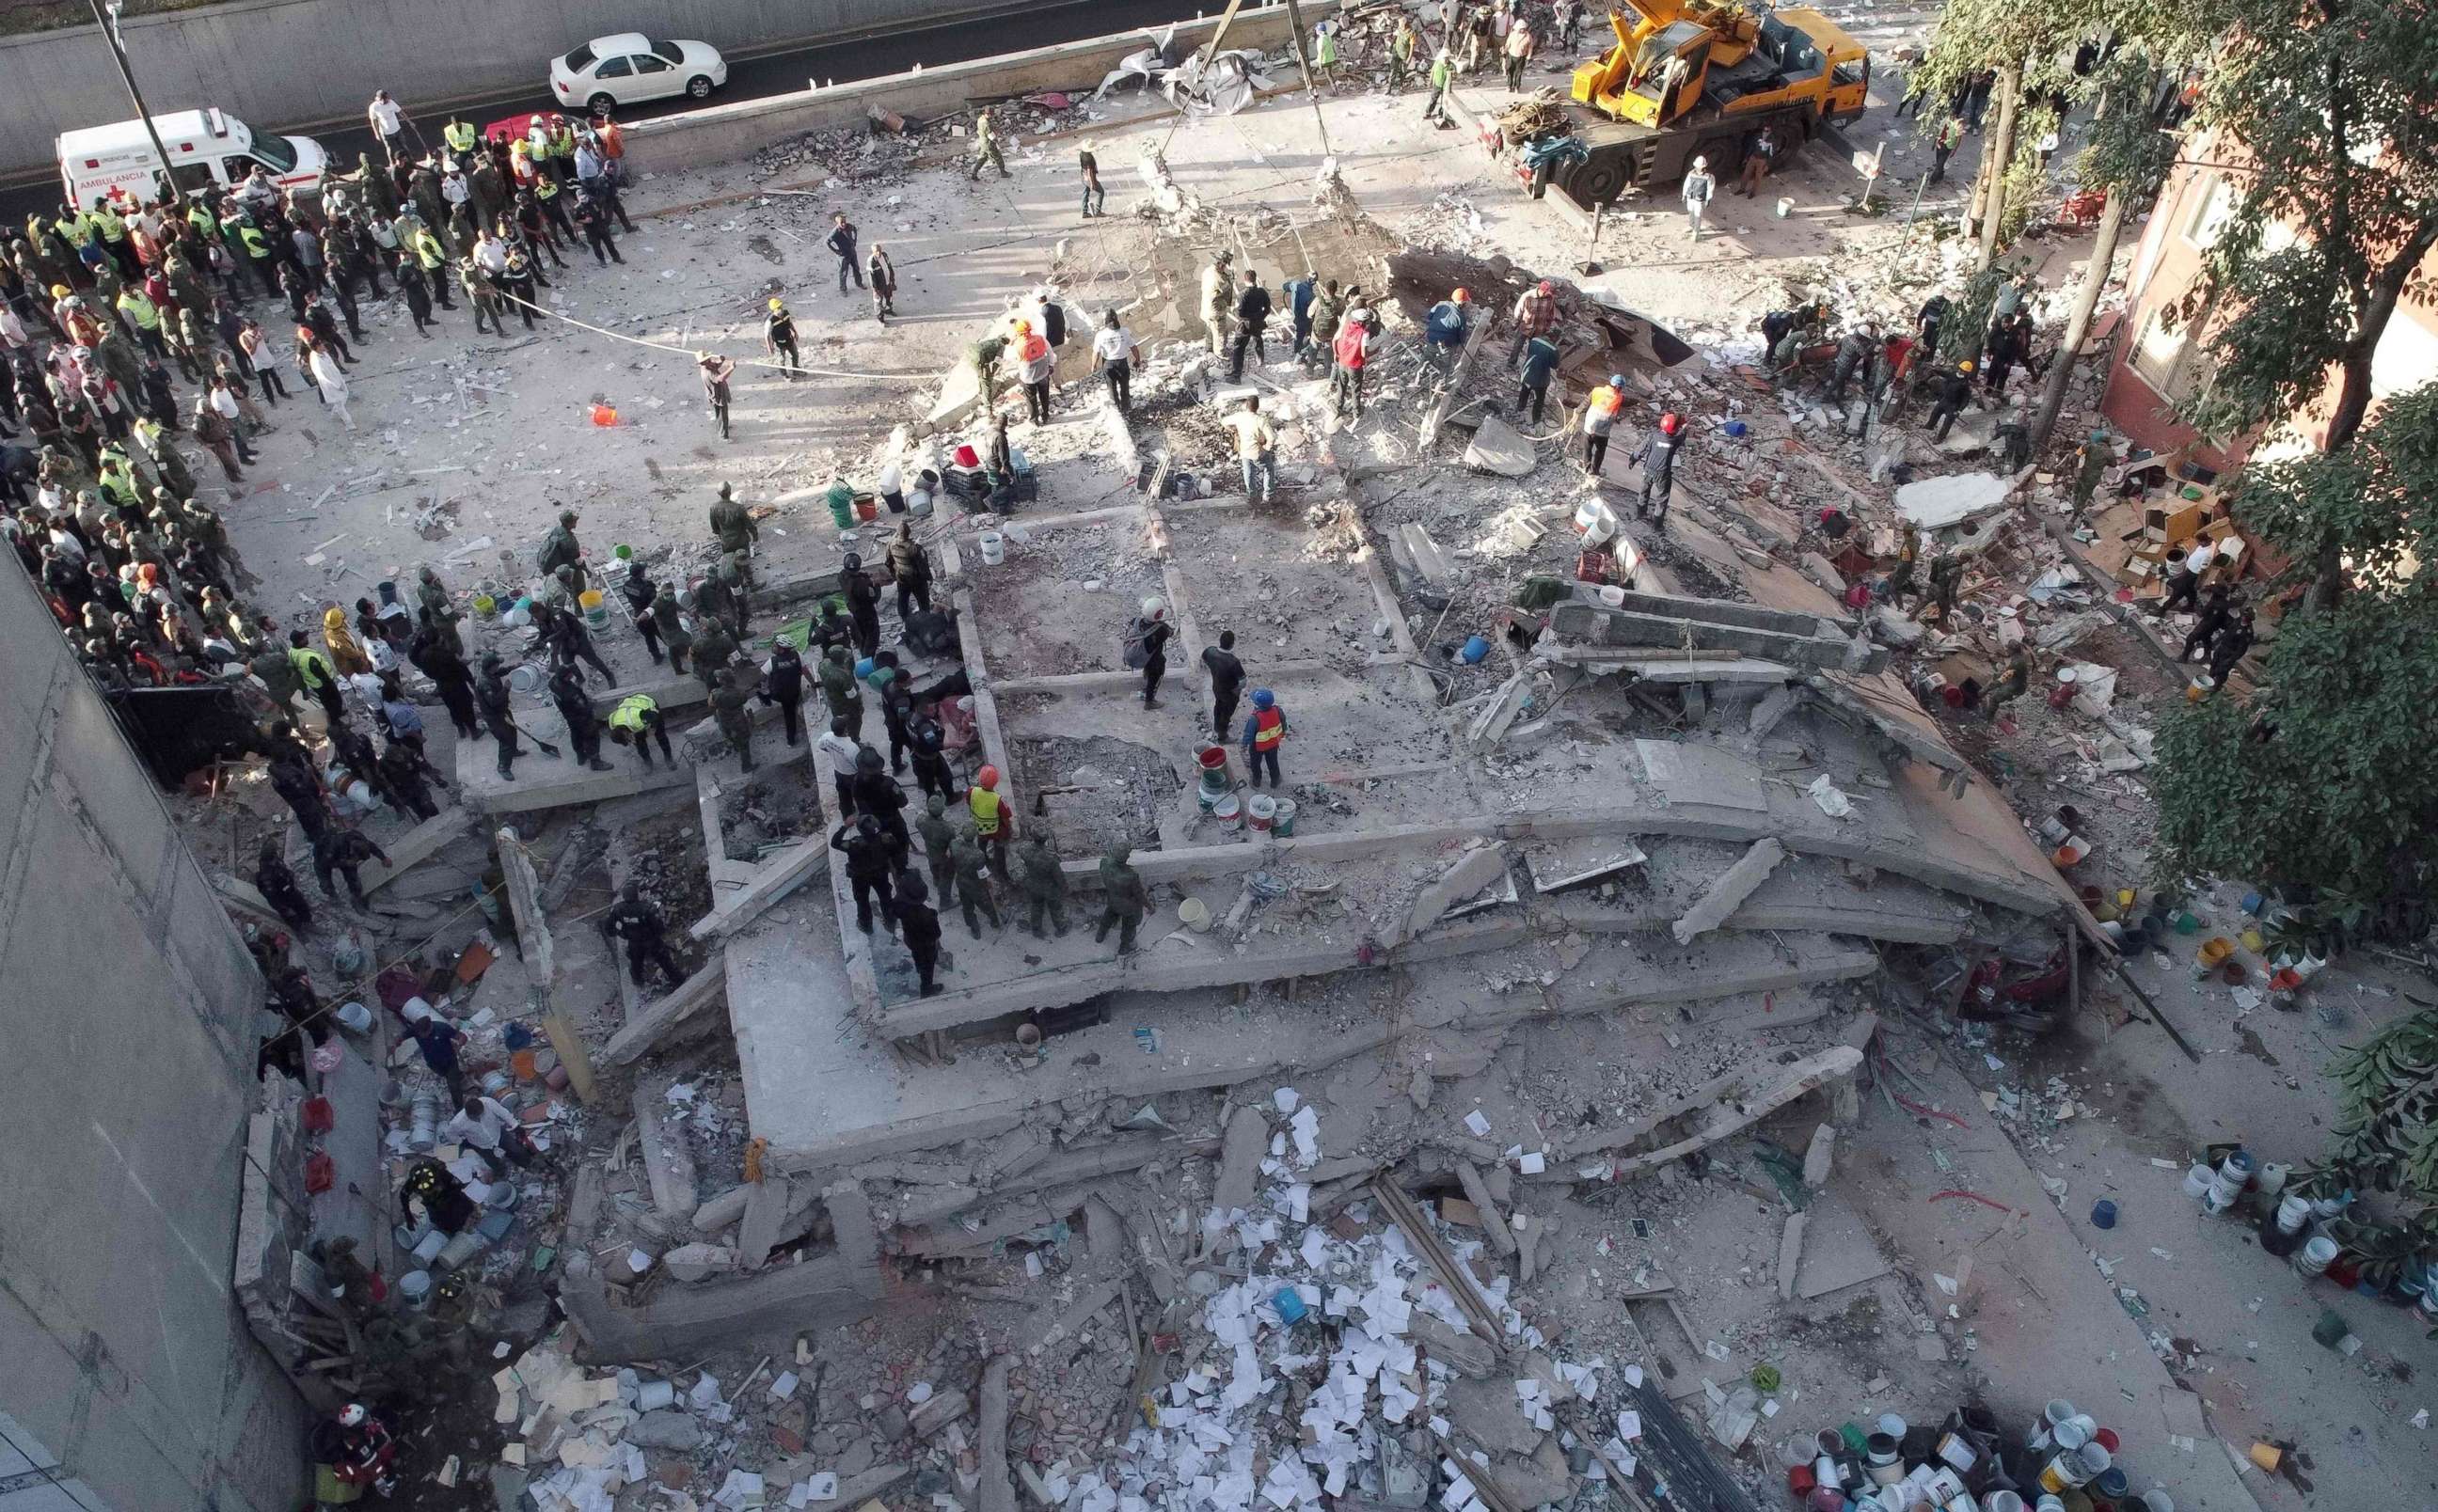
(2289, 1227)
(1215, 794)
(2066, 1462)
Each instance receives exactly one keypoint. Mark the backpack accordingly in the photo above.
(1137, 647)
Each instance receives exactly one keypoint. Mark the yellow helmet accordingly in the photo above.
(1965, 366)
(775, 305)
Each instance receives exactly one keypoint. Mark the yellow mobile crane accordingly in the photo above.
(1697, 78)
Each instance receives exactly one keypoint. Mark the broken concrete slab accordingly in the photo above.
(937, 1413)
(1464, 1353)
(1241, 1149)
(1476, 1191)
(1729, 892)
(1428, 561)
(1935, 503)
(1498, 447)
(1695, 625)
(719, 1212)
(858, 1238)
(1819, 1157)
(1468, 875)
(766, 1212)
(994, 1486)
(668, 1164)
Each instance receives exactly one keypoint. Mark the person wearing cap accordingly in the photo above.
(994, 819)
(1352, 349)
(779, 339)
(862, 603)
(1517, 52)
(1698, 190)
(1535, 314)
(1955, 396)
(1147, 647)
(1600, 420)
(1656, 457)
(1035, 361)
(918, 925)
(491, 695)
(1265, 731)
(1219, 299)
(1447, 325)
(841, 243)
(716, 369)
(1760, 153)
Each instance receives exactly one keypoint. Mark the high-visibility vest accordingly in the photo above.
(255, 248)
(313, 667)
(133, 305)
(459, 135)
(986, 806)
(427, 250)
(545, 187)
(114, 227)
(630, 713)
(562, 143)
(1270, 728)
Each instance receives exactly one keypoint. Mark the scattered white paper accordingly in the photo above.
(1480, 1125)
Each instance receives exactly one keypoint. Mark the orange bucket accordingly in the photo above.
(866, 508)
(521, 1063)
(604, 415)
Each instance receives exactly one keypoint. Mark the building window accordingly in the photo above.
(2171, 358)
(2213, 203)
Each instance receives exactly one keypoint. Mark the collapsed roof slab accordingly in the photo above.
(828, 1094)
(1716, 624)
(557, 782)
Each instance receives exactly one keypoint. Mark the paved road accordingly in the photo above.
(772, 73)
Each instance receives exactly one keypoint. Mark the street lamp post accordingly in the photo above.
(105, 16)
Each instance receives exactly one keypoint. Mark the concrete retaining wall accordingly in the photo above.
(720, 132)
(129, 1009)
(298, 63)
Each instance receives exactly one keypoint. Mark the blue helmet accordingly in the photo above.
(1262, 697)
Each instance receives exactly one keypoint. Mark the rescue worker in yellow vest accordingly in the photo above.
(637, 722)
(258, 255)
(321, 679)
(433, 259)
(994, 820)
(112, 227)
(552, 204)
(1265, 733)
(562, 149)
(461, 137)
(1599, 419)
(145, 316)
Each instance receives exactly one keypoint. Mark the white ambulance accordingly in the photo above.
(206, 148)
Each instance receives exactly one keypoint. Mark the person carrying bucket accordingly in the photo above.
(1265, 733)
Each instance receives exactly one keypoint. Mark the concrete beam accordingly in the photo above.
(1600, 626)
(668, 1164)
(655, 1023)
(542, 783)
(792, 1299)
(773, 880)
(1206, 968)
(418, 844)
(1733, 887)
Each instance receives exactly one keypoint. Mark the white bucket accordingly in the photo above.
(2292, 1213)
(918, 502)
(2315, 1254)
(2196, 1182)
(1259, 811)
(1595, 521)
(2218, 1200)
(651, 1396)
(415, 1286)
(1613, 596)
(994, 547)
(355, 1017)
(1785, 206)
(525, 680)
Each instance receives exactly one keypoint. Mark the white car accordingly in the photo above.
(631, 68)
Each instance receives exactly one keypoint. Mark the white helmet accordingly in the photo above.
(352, 1415)
(1701, 162)
(1152, 608)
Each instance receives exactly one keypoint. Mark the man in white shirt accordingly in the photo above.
(2184, 581)
(1113, 350)
(839, 749)
(388, 122)
(489, 1130)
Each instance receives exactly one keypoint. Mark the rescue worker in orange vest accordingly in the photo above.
(1599, 418)
(994, 820)
(1265, 733)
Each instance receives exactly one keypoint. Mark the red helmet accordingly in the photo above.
(987, 778)
(1671, 423)
(1463, 297)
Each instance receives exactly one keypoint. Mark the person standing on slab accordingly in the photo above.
(1698, 191)
(729, 703)
(1146, 647)
(1124, 899)
(782, 683)
(1265, 733)
(842, 244)
(1227, 682)
(1252, 318)
(1656, 457)
(884, 282)
(575, 709)
(986, 151)
(492, 697)
(1045, 886)
(994, 817)
(1095, 197)
(918, 925)
(869, 860)
(779, 336)
(1219, 299)
(1599, 421)
(969, 867)
(717, 370)
(938, 834)
(637, 721)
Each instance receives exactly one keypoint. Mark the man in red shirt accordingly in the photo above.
(1352, 349)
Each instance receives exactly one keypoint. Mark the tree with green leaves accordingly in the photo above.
(2324, 781)
(2321, 114)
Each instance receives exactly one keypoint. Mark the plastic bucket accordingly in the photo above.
(1475, 647)
(2316, 1255)
(2197, 1181)
(2212, 955)
(415, 1288)
(1282, 822)
(486, 606)
(651, 1396)
(866, 508)
(427, 1249)
(623, 551)
(994, 548)
(1785, 206)
(2200, 688)
(1612, 595)
(596, 614)
(1228, 810)
(525, 680)
(2103, 1214)
(355, 1017)
(1259, 811)
(1195, 915)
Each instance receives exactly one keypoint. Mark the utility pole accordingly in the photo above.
(105, 16)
